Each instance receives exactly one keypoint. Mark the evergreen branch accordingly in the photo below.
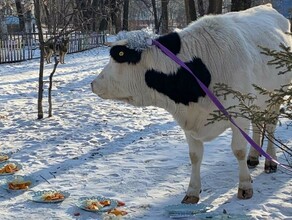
(278, 143)
(281, 59)
(248, 110)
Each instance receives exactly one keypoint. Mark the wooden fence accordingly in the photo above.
(21, 47)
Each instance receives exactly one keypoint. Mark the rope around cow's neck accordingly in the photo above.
(216, 102)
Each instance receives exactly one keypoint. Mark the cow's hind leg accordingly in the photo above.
(270, 166)
(253, 156)
(196, 150)
(239, 148)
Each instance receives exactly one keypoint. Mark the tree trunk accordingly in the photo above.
(3, 26)
(201, 8)
(50, 114)
(164, 16)
(47, 18)
(84, 9)
(28, 21)
(115, 16)
(238, 5)
(126, 15)
(37, 7)
(215, 7)
(118, 20)
(156, 21)
(95, 17)
(20, 15)
(190, 9)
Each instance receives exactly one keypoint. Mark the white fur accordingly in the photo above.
(228, 45)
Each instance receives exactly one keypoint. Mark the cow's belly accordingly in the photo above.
(210, 132)
(200, 131)
(193, 120)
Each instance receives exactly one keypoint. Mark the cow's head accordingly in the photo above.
(147, 76)
(123, 78)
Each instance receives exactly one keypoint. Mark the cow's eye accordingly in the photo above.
(122, 54)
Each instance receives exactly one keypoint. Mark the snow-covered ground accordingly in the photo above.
(96, 147)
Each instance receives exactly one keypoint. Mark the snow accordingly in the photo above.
(94, 147)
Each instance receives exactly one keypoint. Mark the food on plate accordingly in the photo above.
(19, 184)
(120, 203)
(3, 157)
(52, 196)
(92, 205)
(105, 202)
(9, 168)
(117, 212)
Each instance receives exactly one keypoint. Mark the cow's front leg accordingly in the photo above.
(196, 153)
(239, 148)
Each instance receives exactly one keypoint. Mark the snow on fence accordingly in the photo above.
(20, 47)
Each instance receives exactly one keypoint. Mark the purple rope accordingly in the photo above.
(168, 53)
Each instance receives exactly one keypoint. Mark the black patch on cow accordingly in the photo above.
(123, 54)
(181, 87)
(171, 41)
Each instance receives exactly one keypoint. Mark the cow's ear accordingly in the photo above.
(123, 54)
(171, 41)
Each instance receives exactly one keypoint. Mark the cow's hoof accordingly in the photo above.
(244, 193)
(252, 162)
(190, 200)
(270, 167)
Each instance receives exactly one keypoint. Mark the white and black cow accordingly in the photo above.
(218, 49)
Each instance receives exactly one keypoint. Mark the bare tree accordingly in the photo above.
(60, 18)
(238, 5)
(201, 9)
(190, 9)
(91, 15)
(87, 13)
(28, 17)
(126, 15)
(95, 14)
(37, 6)
(164, 16)
(156, 21)
(115, 14)
(215, 7)
(3, 26)
(20, 14)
